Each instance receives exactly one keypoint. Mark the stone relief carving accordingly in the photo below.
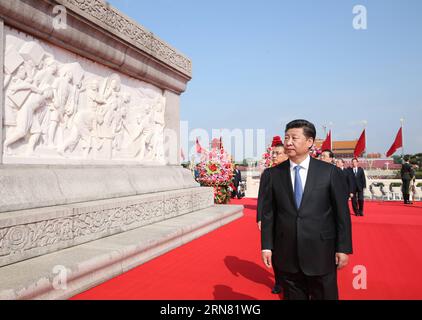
(202, 198)
(96, 223)
(61, 106)
(41, 234)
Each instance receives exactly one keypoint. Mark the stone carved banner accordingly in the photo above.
(63, 107)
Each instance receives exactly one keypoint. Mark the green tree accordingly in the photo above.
(397, 159)
(416, 159)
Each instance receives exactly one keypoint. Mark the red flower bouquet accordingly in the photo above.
(216, 171)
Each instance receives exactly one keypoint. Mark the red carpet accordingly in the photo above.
(226, 263)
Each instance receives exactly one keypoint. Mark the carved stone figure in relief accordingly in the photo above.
(159, 123)
(26, 120)
(71, 107)
(110, 91)
(48, 73)
(143, 134)
(120, 124)
(32, 68)
(85, 121)
(63, 91)
(17, 89)
(43, 79)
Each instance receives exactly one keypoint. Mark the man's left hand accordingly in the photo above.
(266, 258)
(342, 260)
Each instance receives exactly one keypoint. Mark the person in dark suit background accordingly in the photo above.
(237, 177)
(305, 219)
(327, 156)
(278, 156)
(347, 177)
(407, 174)
(358, 185)
(196, 173)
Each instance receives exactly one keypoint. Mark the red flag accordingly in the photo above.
(182, 155)
(326, 145)
(198, 146)
(360, 146)
(398, 143)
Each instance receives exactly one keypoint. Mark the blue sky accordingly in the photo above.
(259, 64)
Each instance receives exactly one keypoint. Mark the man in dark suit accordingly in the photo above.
(327, 156)
(346, 176)
(358, 185)
(407, 175)
(237, 177)
(305, 219)
(278, 156)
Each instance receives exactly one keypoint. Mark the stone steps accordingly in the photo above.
(65, 273)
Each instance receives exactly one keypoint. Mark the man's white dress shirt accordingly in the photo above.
(303, 172)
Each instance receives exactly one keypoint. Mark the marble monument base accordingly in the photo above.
(94, 222)
(65, 273)
(45, 209)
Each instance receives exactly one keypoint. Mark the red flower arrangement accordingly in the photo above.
(315, 152)
(267, 161)
(216, 171)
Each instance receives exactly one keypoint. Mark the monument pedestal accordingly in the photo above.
(48, 209)
(65, 273)
(95, 222)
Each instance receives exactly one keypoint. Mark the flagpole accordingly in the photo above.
(402, 138)
(331, 136)
(365, 122)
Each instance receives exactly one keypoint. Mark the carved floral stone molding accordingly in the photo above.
(41, 237)
(41, 234)
(125, 27)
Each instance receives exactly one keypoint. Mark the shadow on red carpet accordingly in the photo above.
(226, 263)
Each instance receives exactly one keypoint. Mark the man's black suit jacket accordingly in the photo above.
(237, 177)
(359, 180)
(307, 238)
(348, 179)
(407, 172)
(259, 202)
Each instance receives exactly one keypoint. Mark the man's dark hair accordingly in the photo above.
(355, 159)
(406, 158)
(330, 153)
(279, 144)
(308, 128)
